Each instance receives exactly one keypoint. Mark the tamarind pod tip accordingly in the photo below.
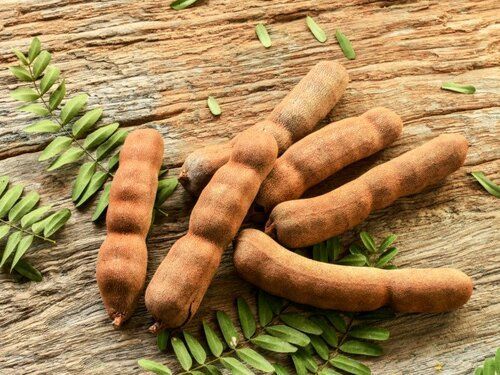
(270, 228)
(118, 321)
(155, 328)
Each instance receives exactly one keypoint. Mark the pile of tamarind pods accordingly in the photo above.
(272, 164)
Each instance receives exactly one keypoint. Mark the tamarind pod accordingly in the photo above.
(180, 282)
(266, 264)
(122, 259)
(304, 222)
(326, 151)
(293, 118)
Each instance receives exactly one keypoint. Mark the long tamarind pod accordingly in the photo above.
(293, 118)
(178, 286)
(264, 263)
(304, 222)
(122, 259)
(326, 151)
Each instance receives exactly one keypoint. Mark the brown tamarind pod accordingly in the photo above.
(292, 119)
(304, 222)
(266, 264)
(326, 151)
(122, 259)
(180, 282)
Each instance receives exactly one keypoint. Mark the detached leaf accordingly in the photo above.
(162, 340)
(85, 174)
(320, 347)
(488, 185)
(264, 309)
(37, 109)
(356, 260)
(301, 323)
(69, 156)
(181, 353)
(103, 203)
(289, 334)
(113, 142)
(213, 106)
(455, 87)
(181, 4)
(247, 321)
(386, 257)
(369, 333)
(44, 126)
(98, 180)
(254, 359)
(345, 45)
(50, 77)
(57, 96)
(11, 245)
(27, 270)
(56, 221)
(9, 199)
(360, 347)
(22, 58)
(153, 366)
(227, 328)
(24, 206)
(35, 215)
(72, 107)
(54, 148)
(84, 123)
(213, 341)
(4, 181)
(21, 73)
(273, 344)
(236, 367)
(98, 136)
(387, 242)
(4, 230)
(24, 94)
(263, 35)
(40, 63)
(195, 348)
(166, 188)
(368, 242)
(316, 30)
(350, 365)
(22, 247)
(34, 49)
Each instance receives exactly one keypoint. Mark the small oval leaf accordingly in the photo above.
(57, 96)
(337, 321)
(44, 126)
(254, 359)
(289, 334)
(368, 241)
(195, 348)
(350, 365)
(273, 344)
(387, 242)
(213, 341)
(329, 334)
(4, 230)
(54, 148)
(362, 348)
(213, 105)
(263, 35)
(100, 135)
(386, 257)
(113, 162)
(34, 216)
(22, 247)
(4, 181)
(487, 184)
(22, 58)
(113, 142)
(264, 309)
(35, 108)
(97, 181)
(85, 174)
(9, 199)
(24, 94)
(27, 270)
(247, 321)
(181, 4)
(227, 328)
(369, 333)
(72, 107)
(34, 49)
(102, 204)
(153, 366)
(235, 366)
(181, 353)
(279, 369)
(355, 260)
(166, 187)
(69, 156)
(301, 322)
(24, 206)
(455, 87)
(11, 245)
(50, 77)
(40, 63)
(316, 30)
(56, 221)
(345, 45)
(84, 123)
(320, 347)
(21, 73)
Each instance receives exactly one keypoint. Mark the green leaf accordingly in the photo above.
(212, 370)
(72, 107)
(235, 366)
(316, 30)
(113, 161)
(345, 45)
(4, 181)
(213, 106)
(50, 77)
(114, 141)
(337, 321)
(33, 216)
(69, 156)
(368, 242)
(299, 364)
(35, 108)
(24, 94)
(84, 123)
(181, 353)
(350, 365)
(487, 184)
(27, 270)
(369, 333)
(335, 247)
(21, 56)
(247, 321)
(39, 226)
(497, 360)
(44, 126)
(273, 344)
(162, 340)
(320, 347)
(280, 370)
(195, 348)
(181, 4)
(276, 303)
(57, 96)
(478, 371)
(24, 206)
(21, 73)
(22, 247)
(264, 309)
(456, 87)
(83, 179)
(254, 359)
(357, 260)
(328, 371)
(227, 328)
(56, 221)
(97, 181)
(9, 199)
(489, 367)
(387, 242)
(100, 135)
(329, 334)
(54, 148)
(155, 367)
(102, 204)
(386, 257)
(301, 323)
(213, 341)
(165, 189)
(263, 35)
(289, 334)
(34, 49)
(360, 347)
(309, 361)
(4, 230)
(40, 63)
(11, 245)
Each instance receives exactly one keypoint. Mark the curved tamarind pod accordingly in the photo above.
(293, 118)
(326, 151)
(122, 259)
(304, 222)
(264, 263)
(180, 282)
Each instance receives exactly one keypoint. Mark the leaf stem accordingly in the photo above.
(29, 232)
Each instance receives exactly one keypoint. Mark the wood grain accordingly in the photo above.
(150, 66)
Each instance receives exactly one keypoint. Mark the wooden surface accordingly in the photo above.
(150, 66)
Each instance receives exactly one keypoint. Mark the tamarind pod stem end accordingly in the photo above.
(155, 328)
(118, 321)
(270, 229)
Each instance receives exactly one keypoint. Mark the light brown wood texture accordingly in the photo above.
(148, 65)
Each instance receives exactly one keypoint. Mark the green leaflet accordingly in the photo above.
(273, 344)
(40, 63)
(316, 30)
(24, 94)
(263, 35)
(4, 230)
(487, 184)
(34, 49)
(72, 107)
(96, 182)
(288, 334)
(56, 221)
(9, 199)
(360, 347)
(345, 45)
(35, 108)
(57, 96)
(247, 321)
(236, 367)
(337, 321)
(213, 105)
(24, 206)
(264, 309)
(11, 245)
(24, 60)
(84, 123)
(43, 126)
(368, 241)
(227, 328)
(353, 260)
(320, 347)
(50, 77)
(195, 348)
(83, 179)
(113, 161)
(102, 204)
(350, 365)
(39, 226)
(329, 334)
(280, 370)
(455, 87)
(387, 242)
(153, 366)
(34, 216)
(328, 371)
(21, 73)
(165, 189)
(308, 360)
(181, 4)
(254, 359)
(212, 370)
(22, 247)
(181, 353)
(27, 270)
(4, 181)
(213, 341)
(100, 135)
(301, 323)
(111, 143)
(54, 148)
(369, 333)
(69, 156)
(162, 340)
(299, 364)
(386, 257)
